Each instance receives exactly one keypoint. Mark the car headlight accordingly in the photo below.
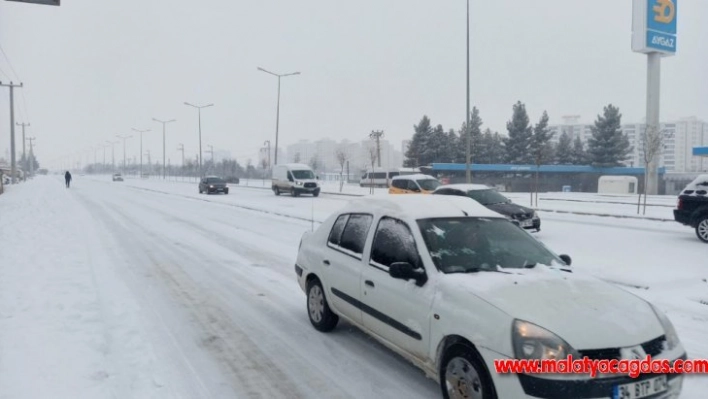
(299, 183)
(211, 186)
(672, 339)
(533, 342)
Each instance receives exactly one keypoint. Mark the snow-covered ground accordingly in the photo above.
(147, 289)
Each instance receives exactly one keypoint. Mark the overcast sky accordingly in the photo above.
(94, 69)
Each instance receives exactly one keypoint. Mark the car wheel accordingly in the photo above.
(463, 375)
(276, 190)
(702, 229)
(200, 191)
(294, 193)
(316, 194)
(226, 192)
(321, 316)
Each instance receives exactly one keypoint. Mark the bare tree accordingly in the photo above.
(342, 158)
(652, 147)
(373, 156)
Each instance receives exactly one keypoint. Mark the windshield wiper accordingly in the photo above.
(480, 269)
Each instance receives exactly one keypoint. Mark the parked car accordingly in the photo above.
(212, 184)
(692, 207)
(117, 177)
(413, 184)
(492, 199)
(296, 179)
(451, 286)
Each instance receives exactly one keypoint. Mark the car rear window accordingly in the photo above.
(215, 180)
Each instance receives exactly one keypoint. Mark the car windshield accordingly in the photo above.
(487, 197)
(303, 174)
(428, 184)
(215, 180)
(466, 244)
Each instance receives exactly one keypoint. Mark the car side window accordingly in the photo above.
(413, 186)
(400, 184)
(336, 234)
(393, 243)
(445, 191)
(355, 233)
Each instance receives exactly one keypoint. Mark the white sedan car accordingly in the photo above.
(452, 286)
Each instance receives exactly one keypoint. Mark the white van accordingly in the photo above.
(296, 179)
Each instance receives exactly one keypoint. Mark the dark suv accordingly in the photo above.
(692, 207)
(492, 199)
(212, 184)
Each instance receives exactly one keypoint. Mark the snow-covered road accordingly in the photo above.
(146, 289)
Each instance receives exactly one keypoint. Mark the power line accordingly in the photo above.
(10, 63)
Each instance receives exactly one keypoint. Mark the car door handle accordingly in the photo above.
(326, 262)
(369, 283)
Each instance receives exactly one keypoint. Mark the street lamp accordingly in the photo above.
(468, 152)
(199, 109)
(141, 148)
(277, 112)
(124, 138)
(113, 154)
(163, 143)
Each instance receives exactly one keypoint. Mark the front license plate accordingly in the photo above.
(641, 389)
(527, 223)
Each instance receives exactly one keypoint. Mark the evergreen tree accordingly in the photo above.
(437, 148)
(415, 156)
(578, 154)
(564, 150)
(608, 146)
(541, 147)
(454, 149)
(518, 143)
(493, 149)
(475, 137)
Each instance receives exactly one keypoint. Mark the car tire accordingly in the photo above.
(463, 374)
(702, 229)
(200, 191)
(226, 192)
(316, 194)
(276, 190)
(318, 311)
(294, 193)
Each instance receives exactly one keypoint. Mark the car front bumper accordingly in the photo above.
(306, 190)
(540, 387)
(217, 189)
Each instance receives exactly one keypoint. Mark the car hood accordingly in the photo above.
(586, 312)
(509, 209)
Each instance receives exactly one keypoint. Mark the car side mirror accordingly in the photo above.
(405, 271)
(317, 177)
(566, 259)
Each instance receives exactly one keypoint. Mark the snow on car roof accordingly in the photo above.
(465, 187)
(296, 166)
(420, 207)
(699, 183)
(415, 176)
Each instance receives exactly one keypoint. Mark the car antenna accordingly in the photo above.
(465, 213)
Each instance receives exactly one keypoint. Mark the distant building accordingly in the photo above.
(679, 139)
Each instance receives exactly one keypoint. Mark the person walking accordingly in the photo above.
(67, 177)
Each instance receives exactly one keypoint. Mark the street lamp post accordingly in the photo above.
(199, 109)
(141, 148)
(163, 143)
(277, 112)
(468, 152)
(124, 139)
(113, 153)
(267, 144)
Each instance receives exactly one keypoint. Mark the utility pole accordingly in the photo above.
(181, 148)
(31, 154)
(24, 155)
(113, 153)
(163, 143)
(211, 150)
(376, 135)
(141, 148)
(124, 138)
(147, 152)
(13, 167)
(267, 144)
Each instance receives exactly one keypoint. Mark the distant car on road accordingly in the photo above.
(117, 177)
(492, 199)
(452, 286)
(213, 184)
(692, 207)
(295, 179)
(413, 184)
